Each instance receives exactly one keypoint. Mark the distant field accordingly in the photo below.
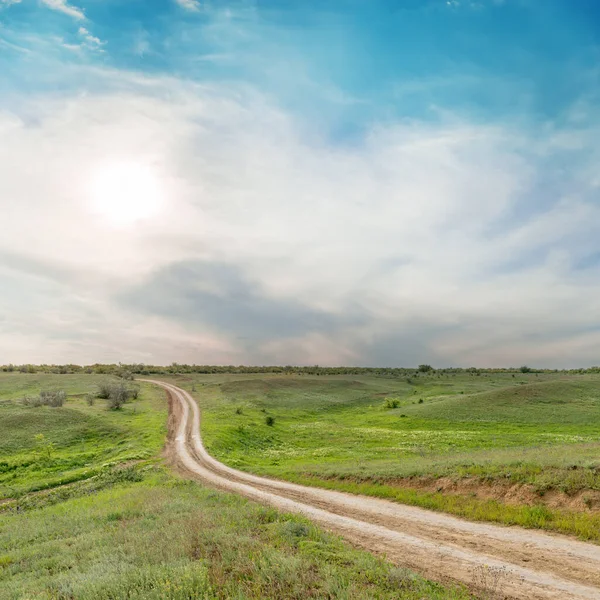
(88, 512)
(522, 449)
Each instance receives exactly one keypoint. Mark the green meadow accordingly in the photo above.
(388, 436)
(43, 447)
(88, 510)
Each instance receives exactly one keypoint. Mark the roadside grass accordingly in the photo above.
(98, 517)
(582, 524)
(542, 431)
(168, 538)
(44, 447)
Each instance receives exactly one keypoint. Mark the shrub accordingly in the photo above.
(104, 389)
(116, 393)
(238, 410)
(391, 403)
(55, 399)
(269, 420)
(31, 401)
(89, 398)
(46, 398)
(119, 394)
(425, 368)
(45, 447)
(420, 400)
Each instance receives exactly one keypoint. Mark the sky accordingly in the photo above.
(333, 182)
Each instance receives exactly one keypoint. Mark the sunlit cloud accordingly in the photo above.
(411, 240)
(63, 7)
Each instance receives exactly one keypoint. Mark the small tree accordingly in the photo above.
(269, 420)
(425, 368)
(119, 394)
(525, 369)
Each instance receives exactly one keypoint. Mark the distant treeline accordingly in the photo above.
(176, 368)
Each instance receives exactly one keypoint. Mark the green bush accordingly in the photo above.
(104, 389)
(117, 393)
(56, 398)
(46, 398)
(391, 403)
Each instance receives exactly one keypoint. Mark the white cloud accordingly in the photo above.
(64, 7)
(420, 231)
(90, 40)
(192, 5)
(71, 47)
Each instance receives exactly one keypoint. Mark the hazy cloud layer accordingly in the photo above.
(273, 246)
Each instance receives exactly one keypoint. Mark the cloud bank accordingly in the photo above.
(454, 242)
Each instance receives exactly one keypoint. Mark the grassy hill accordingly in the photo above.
(521, 449)
(561, 402)
(90, 512)
(43, 447)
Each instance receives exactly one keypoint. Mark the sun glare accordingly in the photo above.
(125, 192)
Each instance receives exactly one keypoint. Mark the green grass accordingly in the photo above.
(79, 441)
(167, 538)
(100, 518)
(542, 431)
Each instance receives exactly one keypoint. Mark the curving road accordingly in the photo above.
(523, 564)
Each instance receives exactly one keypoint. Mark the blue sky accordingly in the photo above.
(341, 182)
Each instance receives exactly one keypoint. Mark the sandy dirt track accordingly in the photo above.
(526, 564)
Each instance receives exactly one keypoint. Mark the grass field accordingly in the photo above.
(90, 512)
(483, 437)
(79, 441)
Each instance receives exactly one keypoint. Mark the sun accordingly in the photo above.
(125, 192)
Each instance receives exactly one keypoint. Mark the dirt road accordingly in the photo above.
(523, 564)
